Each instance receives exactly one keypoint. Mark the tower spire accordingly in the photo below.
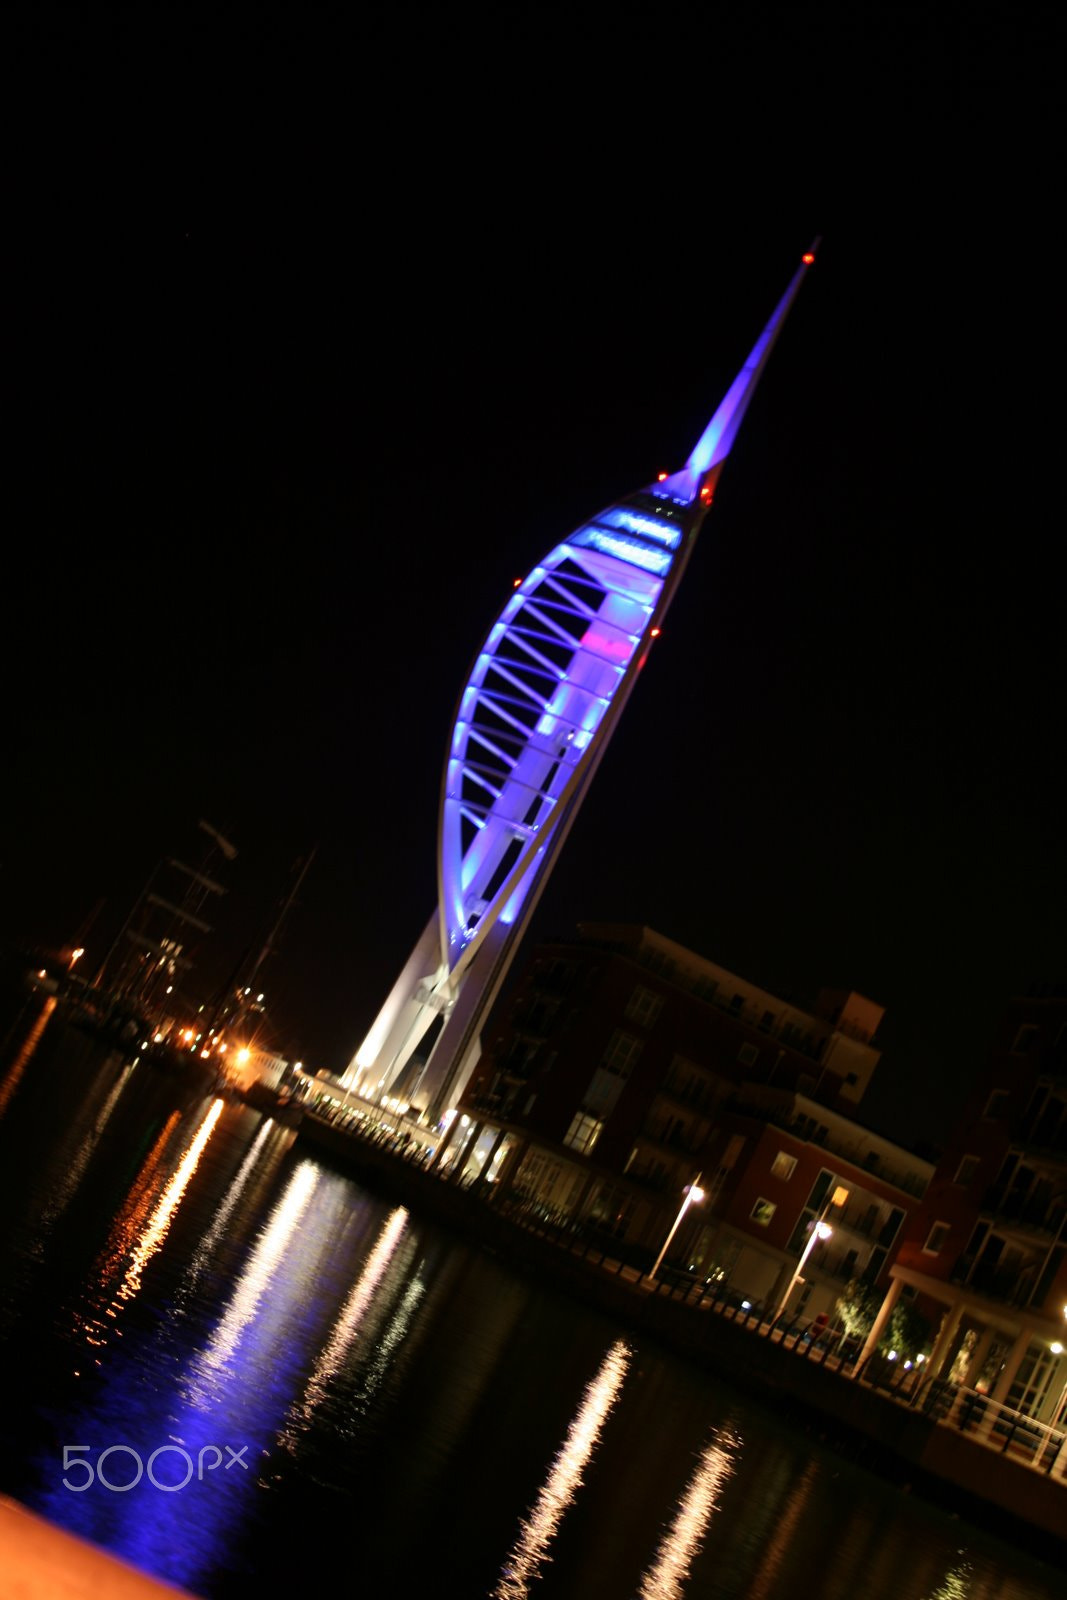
(542, 699)
(698, 477)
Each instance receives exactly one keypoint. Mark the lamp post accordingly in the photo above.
(693, 1195)
(821, 1229)
(1058, 1415)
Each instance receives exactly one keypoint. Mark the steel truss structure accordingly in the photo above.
(544, 695)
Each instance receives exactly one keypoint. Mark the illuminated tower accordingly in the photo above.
(542, 700)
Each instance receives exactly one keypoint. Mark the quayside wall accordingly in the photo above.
(854, 1416)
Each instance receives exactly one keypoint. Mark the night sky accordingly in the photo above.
(318, 335)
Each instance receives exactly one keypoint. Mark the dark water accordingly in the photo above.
(181, 1280)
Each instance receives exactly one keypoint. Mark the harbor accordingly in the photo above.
(936, 1439)
(180, 1271)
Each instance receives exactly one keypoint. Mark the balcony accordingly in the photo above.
(869, 1161)
(693, 1099)
(1022, 1212)
(675, 1141)
(1011, 1285)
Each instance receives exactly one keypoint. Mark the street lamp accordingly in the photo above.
(1057, 1350)
(693, 1196)
(821, 1229)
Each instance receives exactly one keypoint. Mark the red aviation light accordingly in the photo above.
(705, 494)
(661, 477)
(655, 633)
(807, 258)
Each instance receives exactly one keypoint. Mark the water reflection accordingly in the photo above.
(956, 1585)
(217, 1359)
(24, 1055)
(140, 1231)
(784, 1532)
(68, 1171)
(666, 1576)
(232, 1396)
(394, 1392)
(210, 1240)
(169, 1201)
(124, 1230)
(537, 1530)
(346, 1328)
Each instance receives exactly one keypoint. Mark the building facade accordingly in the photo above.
(626, 1069)
(986, 1252)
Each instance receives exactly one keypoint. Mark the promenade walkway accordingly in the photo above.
(979, 1457)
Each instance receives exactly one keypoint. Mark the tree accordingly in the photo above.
(857, 1307)
(907, 1330)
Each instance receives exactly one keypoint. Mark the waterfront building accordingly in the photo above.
(986, 1252)
(625, 1068)
(532, 722)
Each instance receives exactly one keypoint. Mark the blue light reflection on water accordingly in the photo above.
(407, 1407)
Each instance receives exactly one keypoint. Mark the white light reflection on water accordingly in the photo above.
(667, 1574)
(537, 1530)
(202, 1254)
(345, 1329)
(217, 1356)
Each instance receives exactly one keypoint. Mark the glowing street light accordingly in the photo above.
(693, 1196)
(820, 1230)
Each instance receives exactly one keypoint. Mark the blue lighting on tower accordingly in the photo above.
(532, 721)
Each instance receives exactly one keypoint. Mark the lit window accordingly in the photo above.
(583, 1133)
(966, 1169)
(643, 1006)
(936, 1242)
(763, 1211)
(783, 1166)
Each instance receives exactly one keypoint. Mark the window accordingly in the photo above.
(621, 1052)
(583, 1133)
(1025, 1039)
(643, 1006)
(763, 1211)
(766, 1022)
(748, 1055)
(936, 1242)
(783, 1166)
(997, 1103)
(890, 1227)
(602, 1092)
(966, 1169)
(658, 961)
